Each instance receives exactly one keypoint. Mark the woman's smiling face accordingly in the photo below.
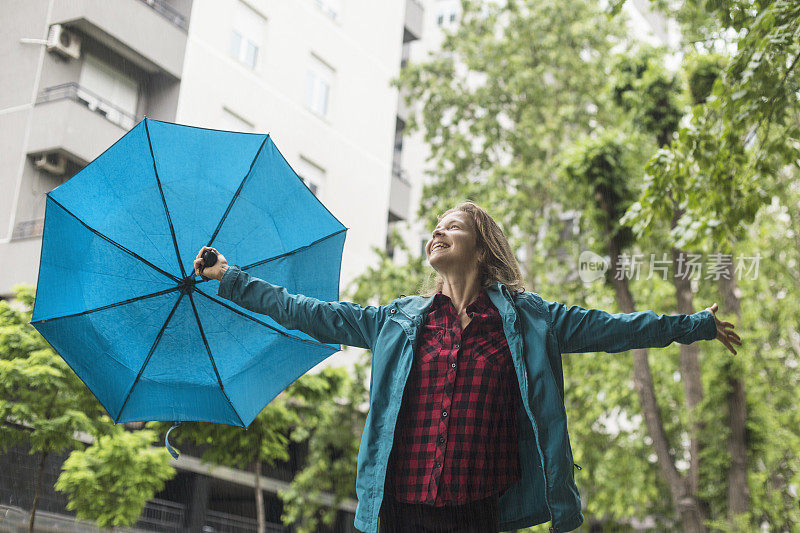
(453, 242)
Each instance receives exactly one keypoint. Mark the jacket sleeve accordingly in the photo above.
(329, 322)
(593, 330)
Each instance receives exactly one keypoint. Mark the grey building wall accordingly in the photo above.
(44, 111)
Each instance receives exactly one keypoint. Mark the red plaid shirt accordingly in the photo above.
(456, 434)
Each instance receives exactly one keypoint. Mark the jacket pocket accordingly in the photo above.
(492, 354)
(430, 344)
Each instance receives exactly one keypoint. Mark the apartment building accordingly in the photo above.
(313, 73)
(79, 74)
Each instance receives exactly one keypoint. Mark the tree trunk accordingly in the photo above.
(39, 473)
(262, 521)
(738, 491)
(683, 499)
(690, 375)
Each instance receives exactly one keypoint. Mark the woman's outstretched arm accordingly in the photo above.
(329, 322)
(594, 330)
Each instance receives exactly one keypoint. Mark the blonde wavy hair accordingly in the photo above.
(496, 261)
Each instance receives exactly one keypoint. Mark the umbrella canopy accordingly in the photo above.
(117, 297)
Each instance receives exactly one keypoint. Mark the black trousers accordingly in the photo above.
(480, 516)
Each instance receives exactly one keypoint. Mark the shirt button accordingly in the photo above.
(436, 464)
(441, 440)
(444, 414)
(457, 346)
(453, 365)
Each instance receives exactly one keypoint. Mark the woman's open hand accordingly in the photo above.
(214, 272)
(725, 333)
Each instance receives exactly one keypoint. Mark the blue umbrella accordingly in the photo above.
(117, 297)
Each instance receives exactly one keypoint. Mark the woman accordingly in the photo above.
(467, 429)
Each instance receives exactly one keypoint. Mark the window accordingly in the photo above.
(246, 35)
(399, 128)
(109, 92)
(447, 14)
(312, 175)
(332, 8)
(319, 81)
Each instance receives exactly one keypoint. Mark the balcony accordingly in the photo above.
(162, 515)
(412, 25)
(399, 194)
(217, 522)
(69, 119)
(148, 33)
(157, 515)
(168, 12)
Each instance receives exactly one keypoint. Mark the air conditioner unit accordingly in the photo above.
(63, 42)
(51, 162)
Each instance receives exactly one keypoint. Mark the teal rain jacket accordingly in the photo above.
(538, 332)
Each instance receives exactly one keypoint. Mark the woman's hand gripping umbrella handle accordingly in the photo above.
(210, 264)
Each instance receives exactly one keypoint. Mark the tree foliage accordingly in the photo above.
(335, 413)
(731, 157)
(38, 389)
(529, 112)
(112, 480)
(42, 402)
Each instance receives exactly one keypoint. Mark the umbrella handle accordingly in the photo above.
(170, 449)
(209, 260)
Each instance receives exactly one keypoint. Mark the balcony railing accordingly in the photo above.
(96, 103)
(15, 520)
(400, 173)
(217, 522)
(162, 515)
(168, 12)
(28, 229)
(158, 515)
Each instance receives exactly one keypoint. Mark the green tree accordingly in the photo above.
(528, 119)
(332, 406)
(514, 84)
(738, 152)
(42, 402)
(111, 480)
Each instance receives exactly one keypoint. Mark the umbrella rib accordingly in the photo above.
(109, 306)
(111, 241)
(236, 194)
(211, 358)
(264, 261)
(273, 328)
(164, 201)
(147, 359)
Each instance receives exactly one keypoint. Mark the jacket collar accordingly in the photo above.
(415, 307)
